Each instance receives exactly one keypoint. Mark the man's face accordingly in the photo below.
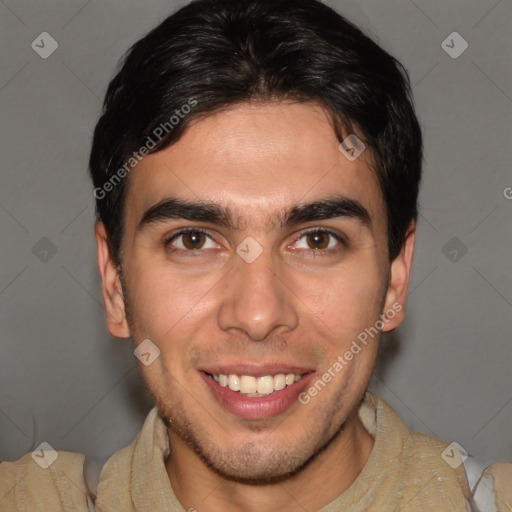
(294, 308)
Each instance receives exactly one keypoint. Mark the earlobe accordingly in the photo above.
(112, 292)
(398, 285)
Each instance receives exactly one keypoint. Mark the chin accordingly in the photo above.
(250, 465)
(264, 461)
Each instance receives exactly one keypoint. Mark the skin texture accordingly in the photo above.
(288, 306)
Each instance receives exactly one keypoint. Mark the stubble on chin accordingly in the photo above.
(258, 462)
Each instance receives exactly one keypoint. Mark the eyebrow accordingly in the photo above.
(213, 213)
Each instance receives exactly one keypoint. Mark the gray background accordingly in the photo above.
(64, 380)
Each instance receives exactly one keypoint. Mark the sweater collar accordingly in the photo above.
(386, 467)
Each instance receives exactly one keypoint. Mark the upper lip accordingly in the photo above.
(255, 370)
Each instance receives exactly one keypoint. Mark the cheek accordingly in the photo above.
(353, 297)
(167, 305)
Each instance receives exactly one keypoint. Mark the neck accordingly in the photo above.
(321, 481)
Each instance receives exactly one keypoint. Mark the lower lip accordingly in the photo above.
(260, 407)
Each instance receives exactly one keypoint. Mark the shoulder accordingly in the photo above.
(437, 474)
(428, 458)
(492, 488)
(49, 479)
(442, 469)
(426, 480)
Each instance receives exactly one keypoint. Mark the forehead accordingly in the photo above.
(256, 160)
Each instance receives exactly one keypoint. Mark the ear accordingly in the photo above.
(117, 324)
(398, 285)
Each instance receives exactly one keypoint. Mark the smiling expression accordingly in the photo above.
(254, 252)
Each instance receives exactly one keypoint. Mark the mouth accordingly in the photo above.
(256, 394)
(251, 386)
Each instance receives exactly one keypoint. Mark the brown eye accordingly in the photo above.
(189, 240)
(193, 239)
(318, 240)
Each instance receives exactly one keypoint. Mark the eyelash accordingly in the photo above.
(312, 252)
(321, 252)
(180, 232)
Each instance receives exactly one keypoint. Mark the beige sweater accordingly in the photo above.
(405, 472)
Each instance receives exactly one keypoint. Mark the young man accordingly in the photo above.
(256, 173)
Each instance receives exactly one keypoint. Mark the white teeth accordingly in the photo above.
(247, 384)
(265, 385)
(257, 386)
(234, 383)
(279, 381)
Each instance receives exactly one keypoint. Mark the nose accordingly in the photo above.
(257, 300)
